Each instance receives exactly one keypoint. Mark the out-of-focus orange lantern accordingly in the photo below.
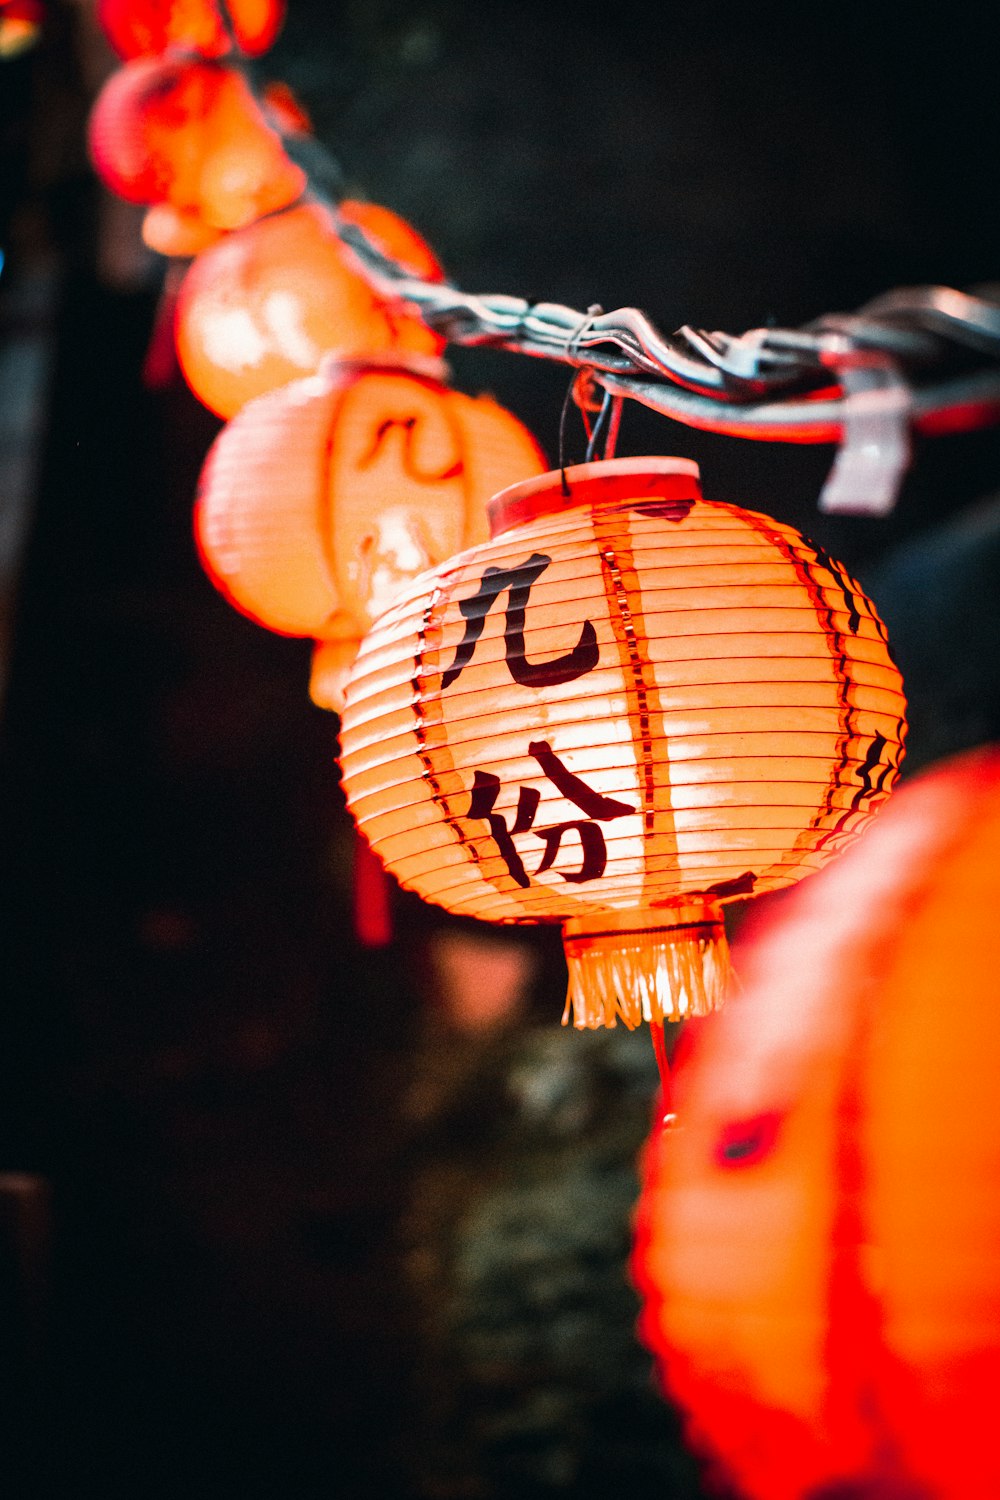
(630, 706)
(172, 231)
(137, 28)
(191, 134)
(819, 1246)
(184, 233)
(20, 25)
(265, 306)
(321, 499)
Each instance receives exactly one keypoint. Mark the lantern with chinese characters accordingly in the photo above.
(266, 305)
(190, 133)
(138, 28)
(320, 500)
(630, 706)
(819, 1248)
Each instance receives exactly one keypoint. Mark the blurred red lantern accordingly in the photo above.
(321, 499)
(266, 305)
(137, 28)
(819, 1246)
(190, 134)
(20, 25)
(184, 233)
(630, 706)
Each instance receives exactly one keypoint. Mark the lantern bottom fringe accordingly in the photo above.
(658, 964)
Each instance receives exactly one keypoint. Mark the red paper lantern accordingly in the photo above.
(267, 305)
(630, 706)
(321, 499)
(190, 134)
(183, 233)
(137, 28)
(819, 1246)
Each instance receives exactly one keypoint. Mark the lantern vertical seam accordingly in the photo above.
(325, 518)
(623, 624)
(869, 786)
(870, 783)
(804, 844)
(856, 1340)
(838, 652)
(420, 731)
(627, 624)
(454, 425)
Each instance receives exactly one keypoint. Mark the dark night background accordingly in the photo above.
(271, 1223)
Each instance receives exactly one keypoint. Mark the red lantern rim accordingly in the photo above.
(593, 484)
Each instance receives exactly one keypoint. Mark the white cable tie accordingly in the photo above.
(874, 452)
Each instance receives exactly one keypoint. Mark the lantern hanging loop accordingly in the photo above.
(614, 425)
(597, 426)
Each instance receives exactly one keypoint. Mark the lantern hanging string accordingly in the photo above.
(924, 358)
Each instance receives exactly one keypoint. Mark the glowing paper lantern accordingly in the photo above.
(629, 707)
(190, 134)
(819, 1247)
(138, 28)
(185, 233)
(320, 500)
(266, 305)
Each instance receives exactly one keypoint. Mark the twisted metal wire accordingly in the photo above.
(916, 328)
(923, 359)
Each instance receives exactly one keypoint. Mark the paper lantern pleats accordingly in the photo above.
(629, 707)
(319, 501)
(819, 1247)
(146, 27)
(269, 303)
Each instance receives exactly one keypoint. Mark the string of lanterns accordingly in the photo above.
(919, 358)
(591, 696)
(627, 708)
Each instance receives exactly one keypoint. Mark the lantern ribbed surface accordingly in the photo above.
(631, 703)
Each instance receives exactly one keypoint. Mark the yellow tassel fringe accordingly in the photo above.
(652, 965)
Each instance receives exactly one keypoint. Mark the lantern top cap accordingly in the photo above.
(610, 481)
